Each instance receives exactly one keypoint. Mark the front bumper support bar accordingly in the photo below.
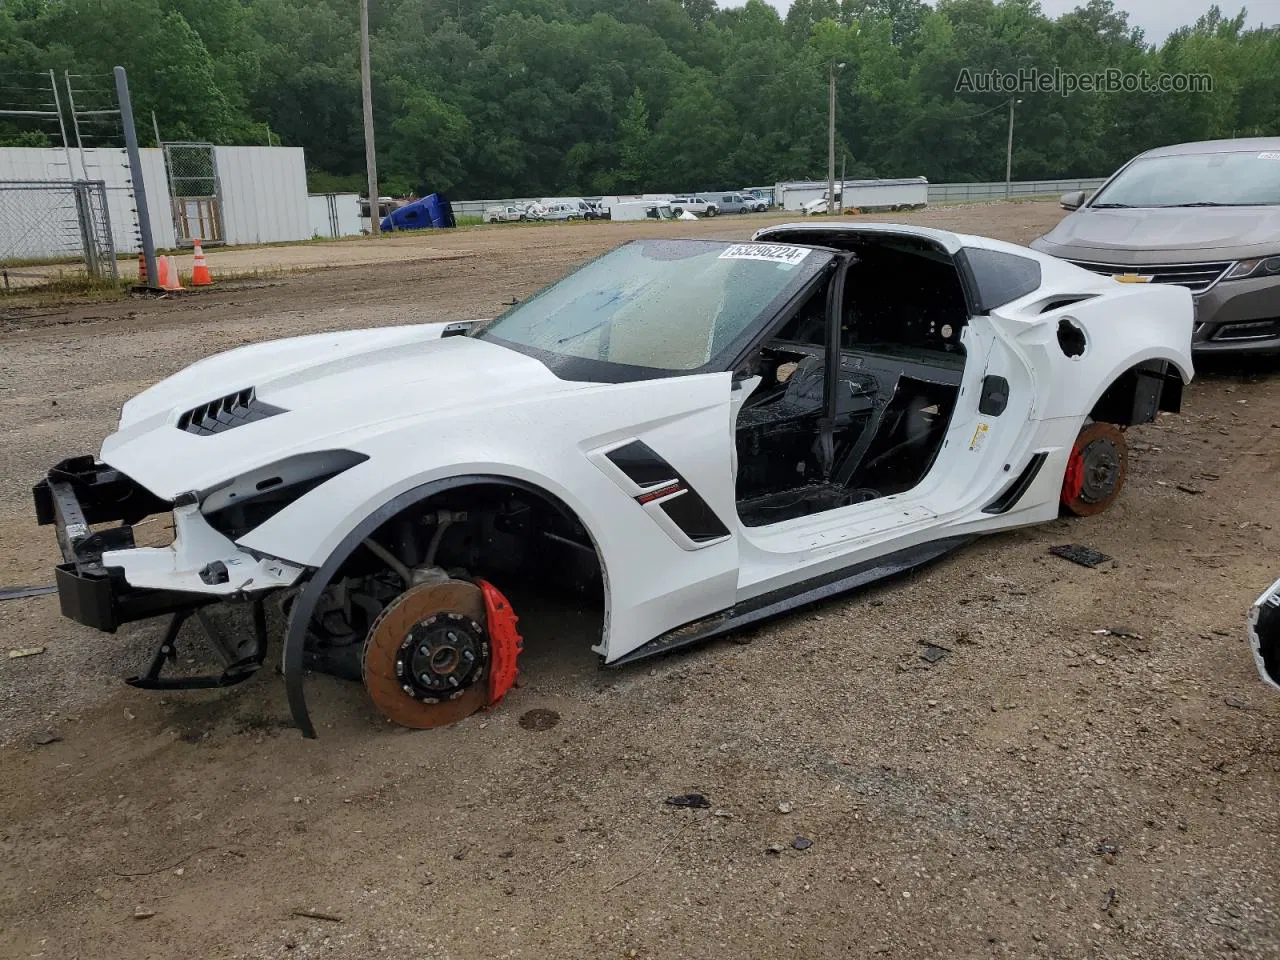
(78, 493)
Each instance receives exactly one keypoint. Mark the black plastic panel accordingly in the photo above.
(1013, 493)
(234, 410)
(694, 517)
(642, 465)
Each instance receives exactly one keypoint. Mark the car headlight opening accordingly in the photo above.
(1256, 267)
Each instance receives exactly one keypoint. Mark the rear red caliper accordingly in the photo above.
(1073, 479)
(505, 644)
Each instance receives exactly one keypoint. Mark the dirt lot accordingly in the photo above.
(1042, 791)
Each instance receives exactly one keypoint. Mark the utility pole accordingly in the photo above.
(135, 174)
(155, 129)
(366, 91)
(831, 136)
(1008, 156)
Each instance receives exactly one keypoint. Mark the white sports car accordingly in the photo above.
(691, 435)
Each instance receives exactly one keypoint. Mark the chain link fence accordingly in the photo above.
(52, 230)
(193, 190)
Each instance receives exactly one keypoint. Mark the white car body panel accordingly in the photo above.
(1264, 630)
(423, 408)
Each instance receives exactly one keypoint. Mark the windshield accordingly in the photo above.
(1201, 179)
(662, 306)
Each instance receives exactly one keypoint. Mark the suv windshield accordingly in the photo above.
(663, 306)
(1199, 179)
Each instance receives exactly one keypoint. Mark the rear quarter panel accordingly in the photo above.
(1123, 325)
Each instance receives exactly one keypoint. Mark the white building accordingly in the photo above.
(259, 195)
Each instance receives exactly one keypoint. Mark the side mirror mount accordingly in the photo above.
(1072, 201)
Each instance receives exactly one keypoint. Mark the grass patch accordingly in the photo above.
(58, 290)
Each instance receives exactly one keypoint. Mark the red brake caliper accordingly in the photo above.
(1073, 479)
(505, 644)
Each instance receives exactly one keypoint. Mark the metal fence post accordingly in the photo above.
(135, 173)
(88, 237)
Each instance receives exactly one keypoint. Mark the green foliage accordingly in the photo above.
(492, 98)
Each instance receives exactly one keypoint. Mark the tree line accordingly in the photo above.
(493, 98)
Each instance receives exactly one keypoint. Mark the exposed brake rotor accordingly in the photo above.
(427, 657)
(1096, 470)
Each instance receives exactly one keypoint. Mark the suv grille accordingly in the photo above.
(233, 410)
(1196, 277)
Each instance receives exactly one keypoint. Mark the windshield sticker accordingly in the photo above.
(1269, 155)
(769, 252)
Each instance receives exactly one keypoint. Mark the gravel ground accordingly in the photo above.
(1041, 791)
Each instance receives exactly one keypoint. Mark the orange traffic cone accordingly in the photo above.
(199, 269)
(168, 273)
(142, 269)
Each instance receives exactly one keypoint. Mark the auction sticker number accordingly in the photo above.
(770, 252)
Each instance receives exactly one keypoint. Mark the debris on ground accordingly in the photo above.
(142, 913)
(695, 801)
(932, 653)
(46, 738)
(1085, 556)
(1123, 632)
(21, 593)
(785, 806)
(1107, 850)
(1109, 901)
(539, 719)
(25, 652)
(801, 843)
(775, 848)
(317, 915)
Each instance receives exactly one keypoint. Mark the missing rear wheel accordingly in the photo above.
(1096, 470)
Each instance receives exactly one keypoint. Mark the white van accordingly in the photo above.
(642, 210)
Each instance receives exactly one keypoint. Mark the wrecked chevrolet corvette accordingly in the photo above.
(692, 435)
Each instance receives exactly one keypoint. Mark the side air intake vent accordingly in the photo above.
(233, 410)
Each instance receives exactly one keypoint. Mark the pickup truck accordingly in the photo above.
(695, 205)
(504, 214)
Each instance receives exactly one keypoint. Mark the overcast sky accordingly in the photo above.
(1157, 18)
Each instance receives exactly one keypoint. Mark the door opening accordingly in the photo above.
(901, 314)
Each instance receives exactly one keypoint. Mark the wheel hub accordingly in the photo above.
(1101, 468)
(441, 656)
(427, 657)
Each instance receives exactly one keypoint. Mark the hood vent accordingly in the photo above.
(233, 410)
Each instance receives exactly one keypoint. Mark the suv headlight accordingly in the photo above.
(1258, 267)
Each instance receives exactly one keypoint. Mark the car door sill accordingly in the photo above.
(798, 595)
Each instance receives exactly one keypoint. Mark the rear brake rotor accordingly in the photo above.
(427, 657)
(1096, 471)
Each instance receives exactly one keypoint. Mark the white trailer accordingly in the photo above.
(641, 210)
(907, 193)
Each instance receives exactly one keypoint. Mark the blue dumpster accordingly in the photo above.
(431, 211)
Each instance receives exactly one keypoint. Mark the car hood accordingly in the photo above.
(334, 390)
(1154, 235)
